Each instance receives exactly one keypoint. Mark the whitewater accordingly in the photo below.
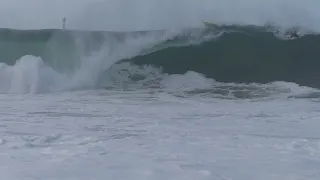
(160, 95)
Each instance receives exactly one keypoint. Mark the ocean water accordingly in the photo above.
(228, 103)
(155, 135)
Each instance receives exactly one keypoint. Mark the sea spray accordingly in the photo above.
(76, 59)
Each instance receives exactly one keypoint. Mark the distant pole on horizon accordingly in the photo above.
(64, 23)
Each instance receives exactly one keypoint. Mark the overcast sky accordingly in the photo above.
(38, 13)
(153, 14)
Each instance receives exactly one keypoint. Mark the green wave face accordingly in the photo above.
(244, 55)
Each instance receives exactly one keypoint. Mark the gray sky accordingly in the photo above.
(154, 14)
(30, 14)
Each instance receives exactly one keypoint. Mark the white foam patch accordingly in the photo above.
(127, 76)
(28, 75)
(188, 81)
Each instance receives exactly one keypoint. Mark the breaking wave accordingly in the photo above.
(221, 56)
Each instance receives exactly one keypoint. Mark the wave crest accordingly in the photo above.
(58, 60)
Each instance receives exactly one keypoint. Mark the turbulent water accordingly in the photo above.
(218, 102)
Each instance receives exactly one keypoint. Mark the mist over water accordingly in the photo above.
(154, 14)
